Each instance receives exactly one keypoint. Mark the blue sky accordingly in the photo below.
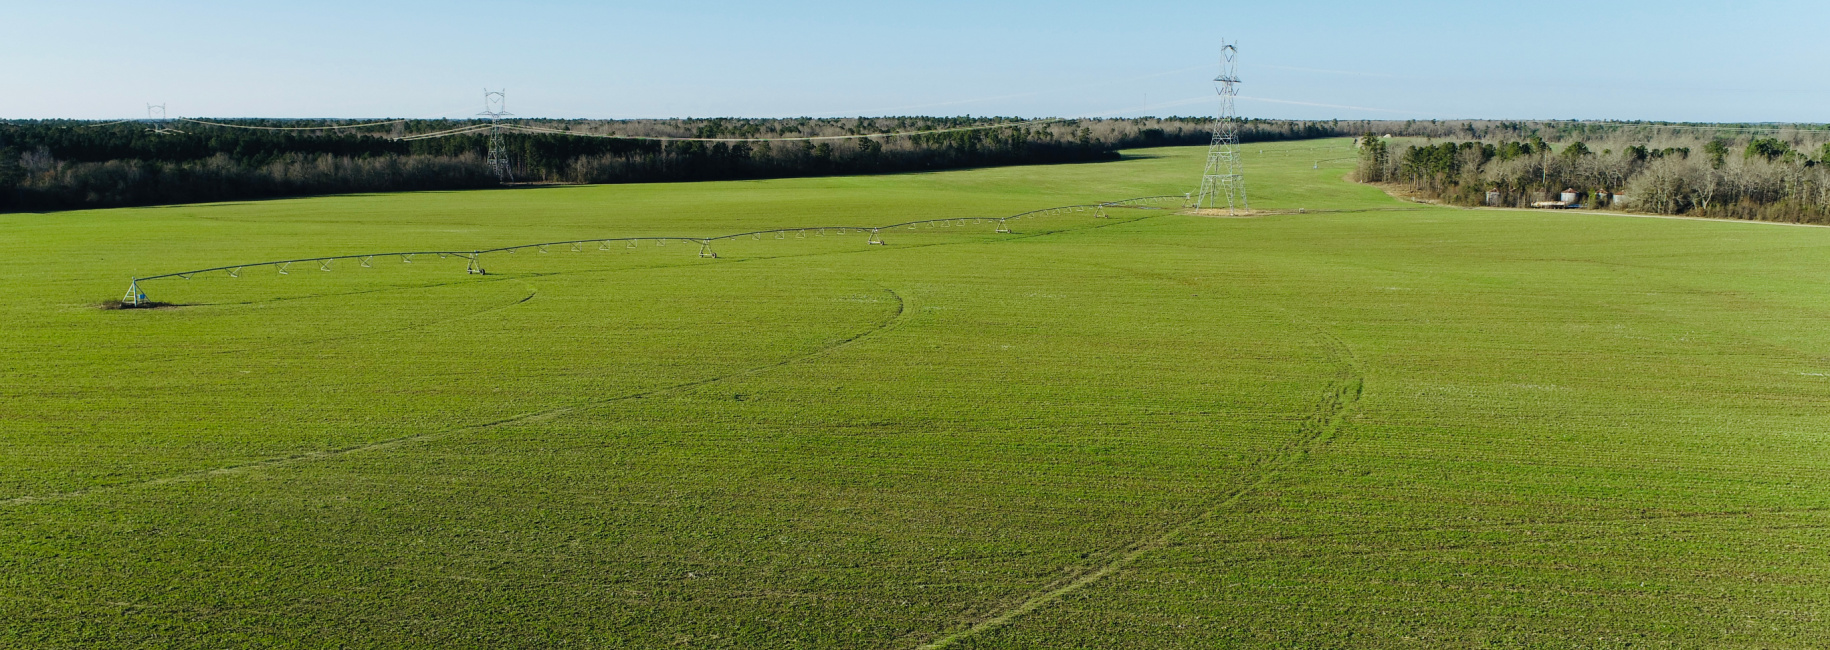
(1677, 60)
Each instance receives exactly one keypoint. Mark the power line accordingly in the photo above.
(537, 129)
(462, 130)
(292, 128)
(1802, 126)
(111, 123)
(1682, 127)
(493, 99)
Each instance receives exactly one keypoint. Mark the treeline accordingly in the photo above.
(51, 185)
(61, 164)
(1072, 141)
(1781, 176)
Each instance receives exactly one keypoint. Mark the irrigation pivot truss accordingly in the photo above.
(136, 296)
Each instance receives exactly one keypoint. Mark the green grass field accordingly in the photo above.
(1400, 427)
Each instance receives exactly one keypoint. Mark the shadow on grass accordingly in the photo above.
(148, 304)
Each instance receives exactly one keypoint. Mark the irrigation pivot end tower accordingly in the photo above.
(1223, 174)
(495, 107)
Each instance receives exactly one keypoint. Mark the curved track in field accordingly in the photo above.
(902, 314)
(1338, 399)
(894, 320)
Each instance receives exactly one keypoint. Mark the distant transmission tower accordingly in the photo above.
(155, 116)
(1222, 176)
(495, 104)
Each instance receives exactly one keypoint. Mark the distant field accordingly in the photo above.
(1401, 426)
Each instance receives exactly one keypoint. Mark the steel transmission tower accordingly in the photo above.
(495, 104)
(155, 117)
(1222, 180)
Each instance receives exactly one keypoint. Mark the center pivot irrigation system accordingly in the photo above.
(136, 295)
(1221, 178)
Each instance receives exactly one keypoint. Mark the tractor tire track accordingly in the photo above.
(903, 313)
(1511, 526)
(531, 292)
(1337, 401)
(1546, 536)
